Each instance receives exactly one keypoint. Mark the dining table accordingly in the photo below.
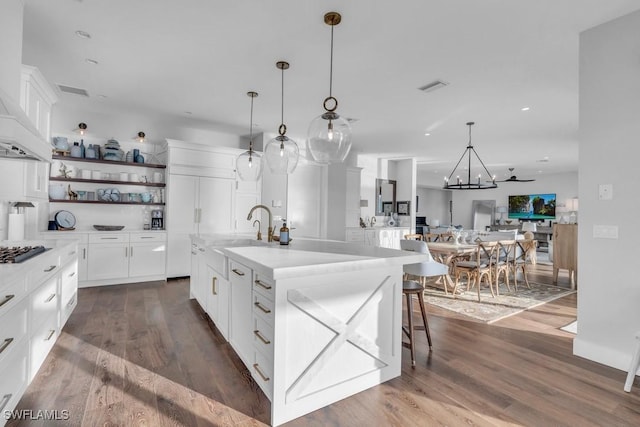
(446, 253)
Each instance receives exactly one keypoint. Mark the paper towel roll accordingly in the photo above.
(16, 226)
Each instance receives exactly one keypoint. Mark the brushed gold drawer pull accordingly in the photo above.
(73, 273)
(72, 253)
(51, 333)
(261, 337)
(52, 296)
(262, 284)
(238, 272)
(6, 299)
(259, 371)
(213, 285)
(146, 237)
(5, 399)
(50, 268)
(5, 344)
(108, 238)
(262, 307)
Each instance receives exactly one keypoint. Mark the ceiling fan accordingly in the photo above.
(513, 178)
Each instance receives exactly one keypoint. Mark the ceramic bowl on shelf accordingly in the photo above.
(57, 191)
(108, 227)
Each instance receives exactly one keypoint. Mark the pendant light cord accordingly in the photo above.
(331, 65)
(251, 128)
(282, 97)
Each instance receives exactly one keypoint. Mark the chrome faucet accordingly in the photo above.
(270, 229)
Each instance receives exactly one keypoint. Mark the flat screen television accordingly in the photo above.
(532, 206)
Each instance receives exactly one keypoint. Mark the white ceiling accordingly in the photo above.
(202, 56)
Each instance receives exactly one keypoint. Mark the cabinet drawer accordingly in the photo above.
(109, 238)
(12, 294)
(263, 307)
(13, 378)
(355, 236)
(67, 308)
(263, 286)
(44, 302)
(69, 286)
(239, 273)
(262, 372)
(47, 265)
(68, 253)
(148, 237)
(14, 328)
(42, 341)
(263, 337)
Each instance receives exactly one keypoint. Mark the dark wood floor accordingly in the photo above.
(143, 354)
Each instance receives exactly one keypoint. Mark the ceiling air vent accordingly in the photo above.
(73, 90)
(434, 85)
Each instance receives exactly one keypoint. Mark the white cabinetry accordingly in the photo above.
(36, 300)
(26, 180)
(240, 334)
(344, 200)
(110, 258)
(384, 237)
(203, 196)
(147, 254)
(218, 300)
(37, 99)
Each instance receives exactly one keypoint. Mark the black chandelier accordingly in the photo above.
(478, 185)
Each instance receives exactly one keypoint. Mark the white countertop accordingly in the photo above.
(9, 272)
(305, 257)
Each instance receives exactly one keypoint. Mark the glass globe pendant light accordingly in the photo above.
(329, 135)
(249, 163)
(282, 152)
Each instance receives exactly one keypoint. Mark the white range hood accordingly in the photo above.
(19, 139)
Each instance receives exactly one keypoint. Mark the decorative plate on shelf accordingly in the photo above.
(108, 227)
(65, 220)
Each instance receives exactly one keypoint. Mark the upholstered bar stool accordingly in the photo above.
(409, 289)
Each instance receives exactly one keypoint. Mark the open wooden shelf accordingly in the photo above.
(101, 202)
(107, 181)
(108, 162)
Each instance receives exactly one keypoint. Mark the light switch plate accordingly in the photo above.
(605, 192)
(605, 231)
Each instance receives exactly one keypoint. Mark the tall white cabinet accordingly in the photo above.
(203, 197)
(343, 200)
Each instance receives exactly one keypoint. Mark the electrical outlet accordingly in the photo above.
(605, 231)
(605, 192)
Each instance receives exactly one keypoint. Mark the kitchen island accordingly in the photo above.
(315, 322)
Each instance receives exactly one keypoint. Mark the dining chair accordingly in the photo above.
(426, 269)
(525, 256)
(431, 237)
(505, 260)
(479, 268)
(415, 236)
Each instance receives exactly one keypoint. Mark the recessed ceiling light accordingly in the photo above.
(188, 112)
(83, 34)
(427, 134)
(91, 61)
(525, 108)
(102, 96)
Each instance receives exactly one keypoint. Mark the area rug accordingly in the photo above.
(490, 309)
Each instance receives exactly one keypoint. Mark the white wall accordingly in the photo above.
(404, 173)
(564, 185)
(608, 290)
(433, 204)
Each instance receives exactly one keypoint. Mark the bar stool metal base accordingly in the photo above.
(410, 288)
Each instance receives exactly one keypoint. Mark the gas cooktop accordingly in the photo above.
(17, 254)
